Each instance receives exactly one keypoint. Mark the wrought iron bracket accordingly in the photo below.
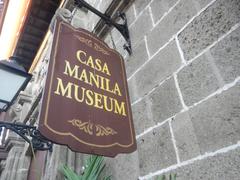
(122, 28)
(37, 141)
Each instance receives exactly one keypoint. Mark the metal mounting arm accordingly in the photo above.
(122, 28)
(37, 141)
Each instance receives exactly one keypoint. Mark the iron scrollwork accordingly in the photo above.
(37, 141)
(122, 28)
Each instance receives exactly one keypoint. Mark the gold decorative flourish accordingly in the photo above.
(104, 131)
(98, 48)
(88, 42)
(87, 127)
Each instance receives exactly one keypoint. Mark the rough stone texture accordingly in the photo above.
(220, 167)
(165, 101)
(140, 5)
(202, 3)
(155, 150)
(161, 66)
(130, 15)
(12, 162)
(132, 88)
(119, 46)
(185, 137)
(78, 19)
(108, 41)
(138, 29)
(197, 80)
(209, 26)
(227, 56)
(170, 25)
(138, 57)
(159, 7)
(103, 6)
(216, 121)
(123, 166)
(142, 115)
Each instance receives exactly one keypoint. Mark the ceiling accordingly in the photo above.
(34, 30)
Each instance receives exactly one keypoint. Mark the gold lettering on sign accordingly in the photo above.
(90, 98)
(85, 95)
(83, 58)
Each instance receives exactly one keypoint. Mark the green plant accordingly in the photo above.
(164, 177)
(93, 168)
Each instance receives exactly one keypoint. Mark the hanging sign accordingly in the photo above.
(86, 102)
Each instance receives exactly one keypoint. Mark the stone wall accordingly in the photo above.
(184, 81)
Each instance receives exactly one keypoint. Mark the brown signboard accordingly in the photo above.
(86, 102)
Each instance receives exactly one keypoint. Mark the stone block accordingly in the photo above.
(116, 35)
(202, 3)
(104, 5)
(155, 150)
(142, 116)
(119, 46)
(138, 57)
(211, 24)
(197, 81)
(170, 25)
(140, 5)
(132, 88)
(79, 19)
(165, 101)
(161, 66)
(130, 15)
(108, 41)
(123, 166)
(226, 55)
(185, 137)
(216, 121)
(223, 166)
(159, 7)
(140, 27)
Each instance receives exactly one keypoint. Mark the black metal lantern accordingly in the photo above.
(13, 79)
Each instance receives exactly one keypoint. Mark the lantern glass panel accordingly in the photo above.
(9, 84)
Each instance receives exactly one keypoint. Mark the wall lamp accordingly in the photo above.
(13, 79)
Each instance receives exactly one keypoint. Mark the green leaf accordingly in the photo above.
(94, 166)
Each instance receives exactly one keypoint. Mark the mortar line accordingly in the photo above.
(219, 91)
(151, 15)
(199, 12)
(191, 161)
(179, 92)
(137, 16)
(145, 40)
(174, 141)
(214, 43)
(188, 62)
(153, 127)
(180, 51)
(134, 12)
(150, 58)
(165, 14)
(155, 87)
(175, 35)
